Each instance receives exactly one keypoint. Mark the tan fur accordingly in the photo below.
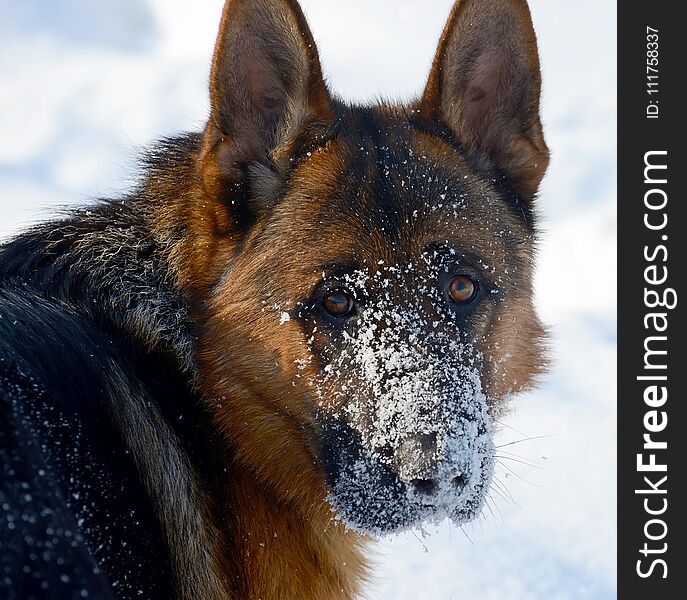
(169, 477)
(282, 496)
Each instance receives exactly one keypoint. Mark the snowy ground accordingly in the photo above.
(83, 83)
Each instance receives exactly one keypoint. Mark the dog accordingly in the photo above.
(292, 337)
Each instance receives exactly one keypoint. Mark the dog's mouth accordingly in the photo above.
(381, 492)
(418, 450)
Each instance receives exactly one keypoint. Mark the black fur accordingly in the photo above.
(72, 503)
(87, 313)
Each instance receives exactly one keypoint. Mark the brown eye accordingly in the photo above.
(338, 303)
(463, 289)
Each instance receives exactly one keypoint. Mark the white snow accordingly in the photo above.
(74, 106)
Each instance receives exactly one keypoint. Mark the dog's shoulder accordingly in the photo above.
(107, 260)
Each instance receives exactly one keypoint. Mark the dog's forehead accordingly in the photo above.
(385, 189)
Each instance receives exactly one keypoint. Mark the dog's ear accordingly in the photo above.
(485, 85)
(265, 81)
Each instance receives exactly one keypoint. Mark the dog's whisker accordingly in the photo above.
(415, 535)
(528, 439)
(518, 460)
(465, 533)
(498, 491)
(507, 426)
(500, 486)
(511, 471)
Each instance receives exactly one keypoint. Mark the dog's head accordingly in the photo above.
(368, 297)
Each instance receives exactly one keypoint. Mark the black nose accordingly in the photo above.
(416, 457)
(424, 486)
(459, 481)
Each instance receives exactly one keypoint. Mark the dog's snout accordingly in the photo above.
(416, 458)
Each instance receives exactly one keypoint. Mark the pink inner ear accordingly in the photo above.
(474, 108)
(482, 93)
(266, 94)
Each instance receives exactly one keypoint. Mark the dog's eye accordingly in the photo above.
(462, 289)
(338, 303)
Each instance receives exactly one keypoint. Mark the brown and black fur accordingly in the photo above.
(160, 435)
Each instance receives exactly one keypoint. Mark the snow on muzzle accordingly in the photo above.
(412, 439)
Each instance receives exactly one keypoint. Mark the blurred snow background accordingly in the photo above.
(85, 83)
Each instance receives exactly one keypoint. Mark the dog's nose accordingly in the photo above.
(416, 460)
(460, 481)
(426, 487)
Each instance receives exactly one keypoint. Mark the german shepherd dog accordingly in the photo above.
(292, 337)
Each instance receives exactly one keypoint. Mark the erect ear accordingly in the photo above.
(265, 81)
(485, 85)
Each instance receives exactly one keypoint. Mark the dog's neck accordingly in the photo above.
(285, 554)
